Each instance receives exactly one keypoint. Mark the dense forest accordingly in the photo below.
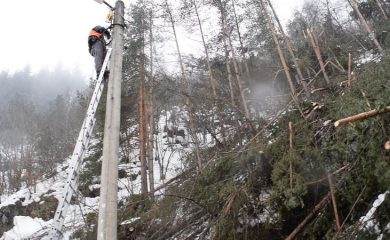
(250, 128)
(41, 113)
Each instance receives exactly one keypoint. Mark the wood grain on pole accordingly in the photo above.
(107, 220)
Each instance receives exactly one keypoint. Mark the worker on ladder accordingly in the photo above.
(97, 47)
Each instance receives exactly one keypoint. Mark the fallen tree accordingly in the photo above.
(387, 145)
(361, 116)
(318, 207)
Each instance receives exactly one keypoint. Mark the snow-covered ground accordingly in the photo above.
(368, 222)
(36, 228)
(171, 151)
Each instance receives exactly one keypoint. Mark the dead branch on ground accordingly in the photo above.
(319, 206)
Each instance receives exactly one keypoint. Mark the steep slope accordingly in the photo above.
(270, 189)
(266, 186)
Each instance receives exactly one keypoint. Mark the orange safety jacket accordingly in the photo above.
(95, 33)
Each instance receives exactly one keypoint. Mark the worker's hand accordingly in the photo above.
(107, 33)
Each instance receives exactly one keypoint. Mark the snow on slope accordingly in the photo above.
(171, 149)
(27, 227)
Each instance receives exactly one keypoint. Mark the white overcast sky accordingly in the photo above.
(48, 33)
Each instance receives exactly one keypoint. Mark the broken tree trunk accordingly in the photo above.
(365, 25)
(290, 131)
(387, 145)
(226, 32)
(211, 76)
(334, 204)
(319, 206)
(244, 59)
(318, 53)
(229, 71)
(349, 68)
(365, 98)
(337, 66)
(360, 116)
(382, 10)
(281, 56)
(350, 211)
(289, 47)
(280, 52)
(318, 90)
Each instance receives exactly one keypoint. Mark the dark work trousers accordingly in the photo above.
(98, 51)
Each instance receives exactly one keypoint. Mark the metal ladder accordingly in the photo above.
(83, 139)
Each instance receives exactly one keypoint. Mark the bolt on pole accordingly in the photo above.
(107, 221)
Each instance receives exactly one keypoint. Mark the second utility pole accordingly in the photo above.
(107, 222)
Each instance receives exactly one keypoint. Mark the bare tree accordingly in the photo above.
(244, 59)
(211, 77)
(150, 105)
(185, 88)
(227, 36)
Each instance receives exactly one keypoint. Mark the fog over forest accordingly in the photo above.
(41, 87)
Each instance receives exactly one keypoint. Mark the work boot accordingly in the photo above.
(106, 74)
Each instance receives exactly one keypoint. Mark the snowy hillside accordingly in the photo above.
(169, 164)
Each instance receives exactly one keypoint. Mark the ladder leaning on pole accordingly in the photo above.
(70, 186)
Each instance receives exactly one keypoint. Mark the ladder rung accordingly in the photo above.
(84, 136)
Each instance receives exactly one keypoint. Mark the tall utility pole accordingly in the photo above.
(107, 223)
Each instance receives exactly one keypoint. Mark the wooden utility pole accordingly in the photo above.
(365, 25)
(107, 222)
